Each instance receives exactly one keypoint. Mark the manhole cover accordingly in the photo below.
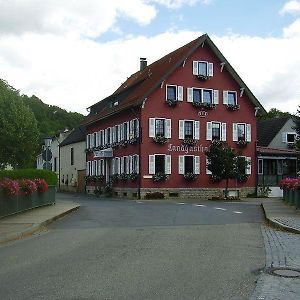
(284, 272)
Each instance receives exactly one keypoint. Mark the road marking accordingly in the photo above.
(181, 203)
(237, 212)
(140, 202)
(200, 205)
(220, 208)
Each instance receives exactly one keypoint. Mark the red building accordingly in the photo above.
(151, 134)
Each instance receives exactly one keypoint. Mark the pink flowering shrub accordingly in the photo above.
(10, 187)
(42, 185)
(27, 186)
(290, 183)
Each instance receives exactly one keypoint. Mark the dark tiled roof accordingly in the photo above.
(142, 83)
(267, 130)
(275, 151)
(77, 135)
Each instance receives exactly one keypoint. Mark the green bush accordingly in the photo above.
(49, 176)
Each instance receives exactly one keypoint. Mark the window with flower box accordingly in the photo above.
(203, 69)
(199, 96)
(159, 127)
(188, 164)
(174, 93)
(189, 129)
(241, 132)
(215, 131)
(230, 99)
(159, 163)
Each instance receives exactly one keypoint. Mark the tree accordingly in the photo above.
(224, 163)
(274, 113)
(18, 129)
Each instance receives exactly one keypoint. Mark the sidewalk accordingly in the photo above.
(24, 224)
(281, 215)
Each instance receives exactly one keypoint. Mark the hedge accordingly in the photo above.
(49, 176)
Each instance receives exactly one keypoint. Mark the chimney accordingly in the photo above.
(143, 63)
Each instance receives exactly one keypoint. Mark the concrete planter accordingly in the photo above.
(297, 198)
(16, 204)
(291, 197)
(285, 195)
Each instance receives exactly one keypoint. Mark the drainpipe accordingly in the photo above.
(139, 152)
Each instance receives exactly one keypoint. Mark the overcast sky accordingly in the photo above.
(73, 53)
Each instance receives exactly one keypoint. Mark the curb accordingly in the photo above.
(279, 225)
(35, 227)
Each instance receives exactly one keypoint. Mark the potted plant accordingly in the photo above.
(171, 102)
(133, 176)
(241, 144)
(202, 77)
(133, 140)
(160, 139)
(160, 176)
(123, 176)
(189, 176)
(233, 107)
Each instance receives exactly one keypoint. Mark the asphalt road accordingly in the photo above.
(146, 250)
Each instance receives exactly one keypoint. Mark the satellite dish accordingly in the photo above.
(47, 154)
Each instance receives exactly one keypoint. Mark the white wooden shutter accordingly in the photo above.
(209, 131)
(138, 164)
(168, 131)
(151, 127)
(197, 165)
(87, 169)
(234, 132)
(216, 97)
(168, 164)
(105, 136)
(102, 142)
(207, 171)
(189, 94)
(122, 165)
(114, 138)
(181, 164)
(284, 137)
(248, 168)
(131, 129)
(103, 166)
(223, 137)
(111, 134)
(179, 93)
(93, 168)
(248, 135)
(97, 139)
(151, 164)
(87, 141)
(128, 131)
(225, 97)
(181, 129)
(196, 130)
(127, 164)
(137, 129)
(195, 67)
(113, 166)
(210, 69)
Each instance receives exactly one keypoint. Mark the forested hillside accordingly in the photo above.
(51, 119)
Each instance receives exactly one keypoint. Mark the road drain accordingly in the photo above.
(284, 272)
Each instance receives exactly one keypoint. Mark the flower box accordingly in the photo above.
(171, 102)
(242, 144)
(233, 107)
(202, 77)
(10, 205)
(190, 176)
(206, 106)
(159, 177)
(160, 139)
(189, 142)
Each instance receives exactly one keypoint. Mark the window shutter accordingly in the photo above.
(114, 134)
(248, 168)
(209, 131)
(168, 164)
(195, 67)
(128, 137)
(151, 127)
(87, 141)
(111, 134)
(127, 164)
(87, 169)
(189, 94)
(284, 137)
(223, 132)
(91, 140)
(181, 164)
(131, 129)
(168, 131)
(210, 69)
(93, 170)
(179, 93)
(137, 164)
(105, 136)
(234, 132)
(216, 97)
(207, 171)
(196, 130)
(248, 136)
(181, 129)
(103, 167)
(102, 137)
(137, 129)
(197, 165)
(97, 139)
(151, 164)
(225, 97)
(113, 166)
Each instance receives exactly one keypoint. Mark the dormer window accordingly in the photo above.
(203, 69)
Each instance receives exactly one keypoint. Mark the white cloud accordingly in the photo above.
(176, 3)
(292, 30)
(291, 7)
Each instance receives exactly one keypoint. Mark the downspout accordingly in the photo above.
(139, 152)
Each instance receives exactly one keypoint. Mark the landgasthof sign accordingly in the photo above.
(186, 149)
(104, 153)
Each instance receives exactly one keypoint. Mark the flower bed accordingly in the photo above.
(291, 190)
(20, 195)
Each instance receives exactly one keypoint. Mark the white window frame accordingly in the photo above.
(179, 92)
(225, 97)
(235, 131)
(167, 127)
(181, 130)
(285, 135)
(168, 163)
(181, 164)
(223, 130)
(209, 67)
(214, 94)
